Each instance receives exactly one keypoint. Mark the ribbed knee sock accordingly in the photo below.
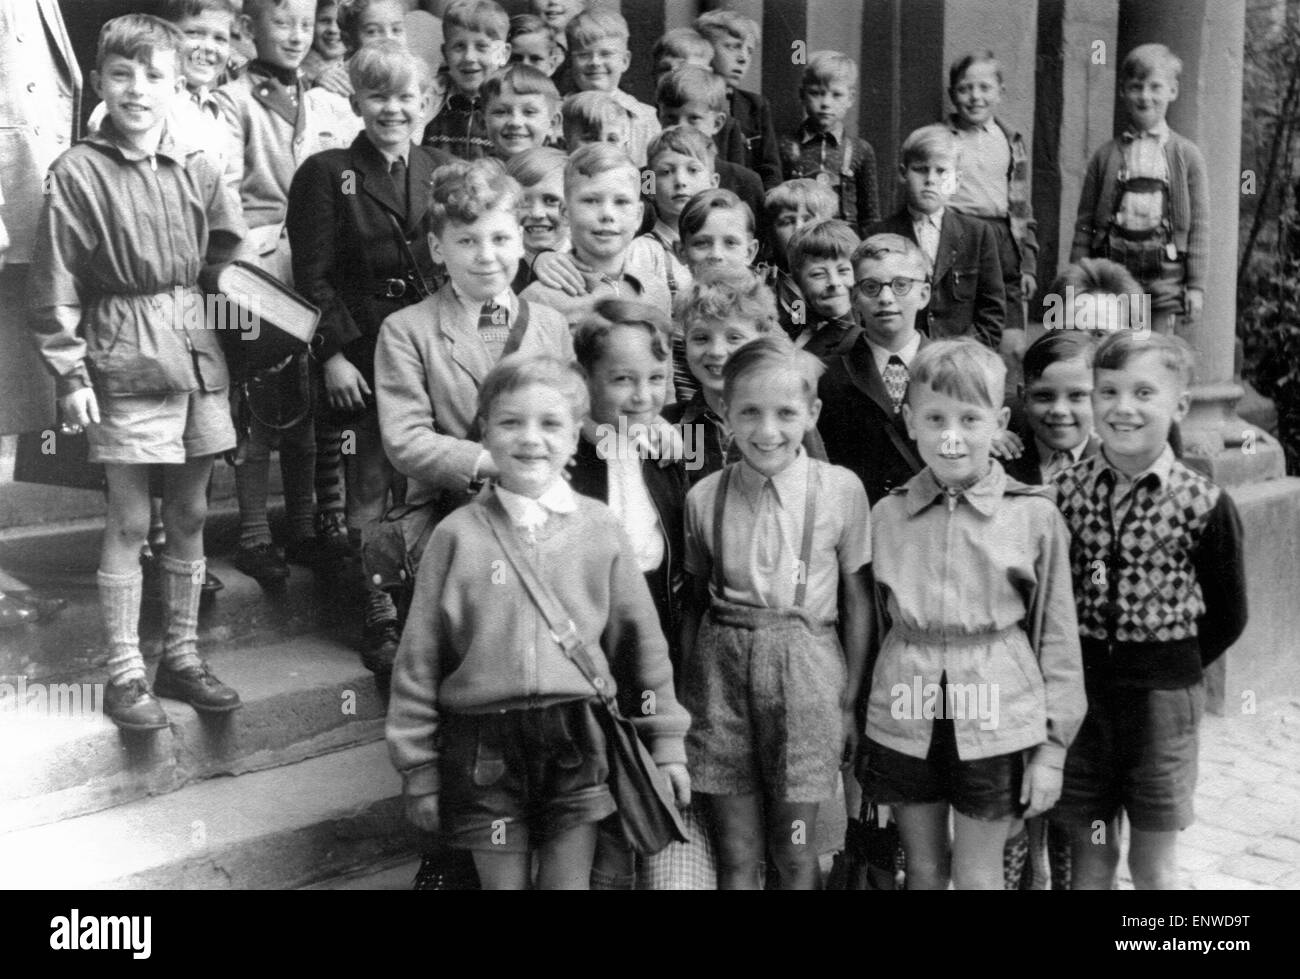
(182, 590)
(119, 607)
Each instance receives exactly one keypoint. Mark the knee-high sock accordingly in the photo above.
(182, 590)
(119, 606)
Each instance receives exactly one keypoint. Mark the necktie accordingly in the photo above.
(493, 329)
(928, 237)
(397, 172)
(896, 381)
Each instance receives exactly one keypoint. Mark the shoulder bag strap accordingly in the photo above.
(516, 335)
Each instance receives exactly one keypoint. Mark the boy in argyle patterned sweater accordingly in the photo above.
(1160, 589)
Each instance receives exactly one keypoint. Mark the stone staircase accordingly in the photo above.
(293, 789)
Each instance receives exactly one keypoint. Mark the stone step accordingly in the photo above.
(62, 559)
(303, 697)
(288, 827)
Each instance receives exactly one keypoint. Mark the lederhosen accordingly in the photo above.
(1150, 254)
(790, 682)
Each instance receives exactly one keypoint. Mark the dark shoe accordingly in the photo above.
(196, 686)
(262, 562)
(307, 552)
(381, 647)
(133, 706)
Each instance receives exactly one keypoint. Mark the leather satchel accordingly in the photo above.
(647, 809)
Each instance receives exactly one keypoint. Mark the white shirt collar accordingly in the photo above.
(1045, 452)
(936, 218)
(881, 356)
(666, 232)
(529, 513)
(786, 483)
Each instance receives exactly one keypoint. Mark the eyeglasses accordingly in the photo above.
(900, 286)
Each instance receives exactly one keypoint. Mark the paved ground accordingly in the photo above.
(1247, 834)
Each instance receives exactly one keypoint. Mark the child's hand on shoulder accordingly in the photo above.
(680, 780)
(664, 441)
(1194, 301)
(1007, 445)
(79, 409)
(556, 270)
(422, 811)
(1040, 788)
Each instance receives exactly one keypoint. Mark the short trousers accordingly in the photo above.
(1136, 751)
(763, 688)
(513, 778)
(982, 788)
(143, 429)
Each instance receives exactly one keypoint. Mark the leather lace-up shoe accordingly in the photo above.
(197, 686)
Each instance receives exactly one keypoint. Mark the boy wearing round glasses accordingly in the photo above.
(862, 391)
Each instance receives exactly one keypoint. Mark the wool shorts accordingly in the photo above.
(763, 688)
(1136, 751)
(513, 778)
(143, 429)
(982, 788)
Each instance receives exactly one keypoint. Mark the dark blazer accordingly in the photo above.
(731, 144)
(967, 297)
(589, 475)
(753, 115)
(859, 426)
(341, 223)
(744, 183)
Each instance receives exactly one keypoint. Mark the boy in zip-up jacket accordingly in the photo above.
(119, 319)
(490, 723)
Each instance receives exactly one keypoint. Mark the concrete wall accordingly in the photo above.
(1265, 662)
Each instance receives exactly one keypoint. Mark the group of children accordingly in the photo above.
(753, 434)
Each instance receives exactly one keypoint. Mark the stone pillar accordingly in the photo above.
(1073, 113)
(1208, 35)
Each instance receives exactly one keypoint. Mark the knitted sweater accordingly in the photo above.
(475, 643)
(1163, 594)
(1189, 204)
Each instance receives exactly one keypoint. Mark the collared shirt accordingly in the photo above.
(1046, 454)
(985, 163)
(630, 500)
(390, 158)
(1122, 495)
(881, 356)
(1144, 158)
(927, 228)
(841, 542)
(531, 514)
(843, 164)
